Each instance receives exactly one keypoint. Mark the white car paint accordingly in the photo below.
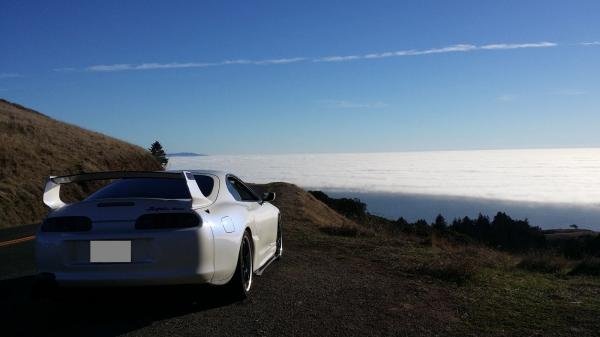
(207, 253)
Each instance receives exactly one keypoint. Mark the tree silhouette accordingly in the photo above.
(502, 232)
(440, 223)
(159, 153)
(404, 225)
(422, 227)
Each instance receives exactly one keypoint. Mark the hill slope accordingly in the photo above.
(35, 146)
(300, 207)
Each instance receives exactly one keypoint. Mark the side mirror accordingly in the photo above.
(269, 196)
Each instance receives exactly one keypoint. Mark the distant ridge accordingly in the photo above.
(34, 146)
(185, 154)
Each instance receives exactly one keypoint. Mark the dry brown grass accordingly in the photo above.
(34, 146)
(458, 263)
(543, 263)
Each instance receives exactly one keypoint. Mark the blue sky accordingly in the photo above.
(311, 76)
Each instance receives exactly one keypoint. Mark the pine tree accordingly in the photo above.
(159, 153)
(440, 223)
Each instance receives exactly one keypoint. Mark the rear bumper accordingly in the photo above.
(157, 258)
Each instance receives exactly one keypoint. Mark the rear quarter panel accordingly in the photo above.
(227, 242)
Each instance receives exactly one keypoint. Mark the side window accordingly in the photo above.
(233, 191)
(239, 191)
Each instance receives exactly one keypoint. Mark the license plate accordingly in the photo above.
(110, 251)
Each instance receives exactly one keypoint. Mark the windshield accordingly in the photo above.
(155, 188)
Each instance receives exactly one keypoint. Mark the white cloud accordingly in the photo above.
(64, 70)
(282, 61)
(152, 66)
(449, 49)
(570, 92)
(381, 55)
(112, 67)
(226, 62)
(506, 98)
(457, 48)
(337, 58)
(176, 65)
(342, 104)
(9, 75)
(591, 43)
(563, 92)
(502, 46)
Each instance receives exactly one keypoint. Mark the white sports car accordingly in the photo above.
(174, 227)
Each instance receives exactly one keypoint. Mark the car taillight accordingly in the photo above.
(167, 220)
(67, 224)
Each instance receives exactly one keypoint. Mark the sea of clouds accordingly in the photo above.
(551, 187)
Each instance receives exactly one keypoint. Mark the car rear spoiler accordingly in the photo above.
(52, 190)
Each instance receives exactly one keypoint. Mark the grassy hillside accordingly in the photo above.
(35, 146)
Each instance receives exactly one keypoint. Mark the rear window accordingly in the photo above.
(152, 188)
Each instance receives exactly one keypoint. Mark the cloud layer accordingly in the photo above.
(519, 175)
(457, 48)
(423, 184)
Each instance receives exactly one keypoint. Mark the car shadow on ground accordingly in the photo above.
(98, 311)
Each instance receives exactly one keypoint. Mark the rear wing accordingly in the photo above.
(52, 190)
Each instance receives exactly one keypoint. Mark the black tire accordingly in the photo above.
(241, 282)
(279, 242)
